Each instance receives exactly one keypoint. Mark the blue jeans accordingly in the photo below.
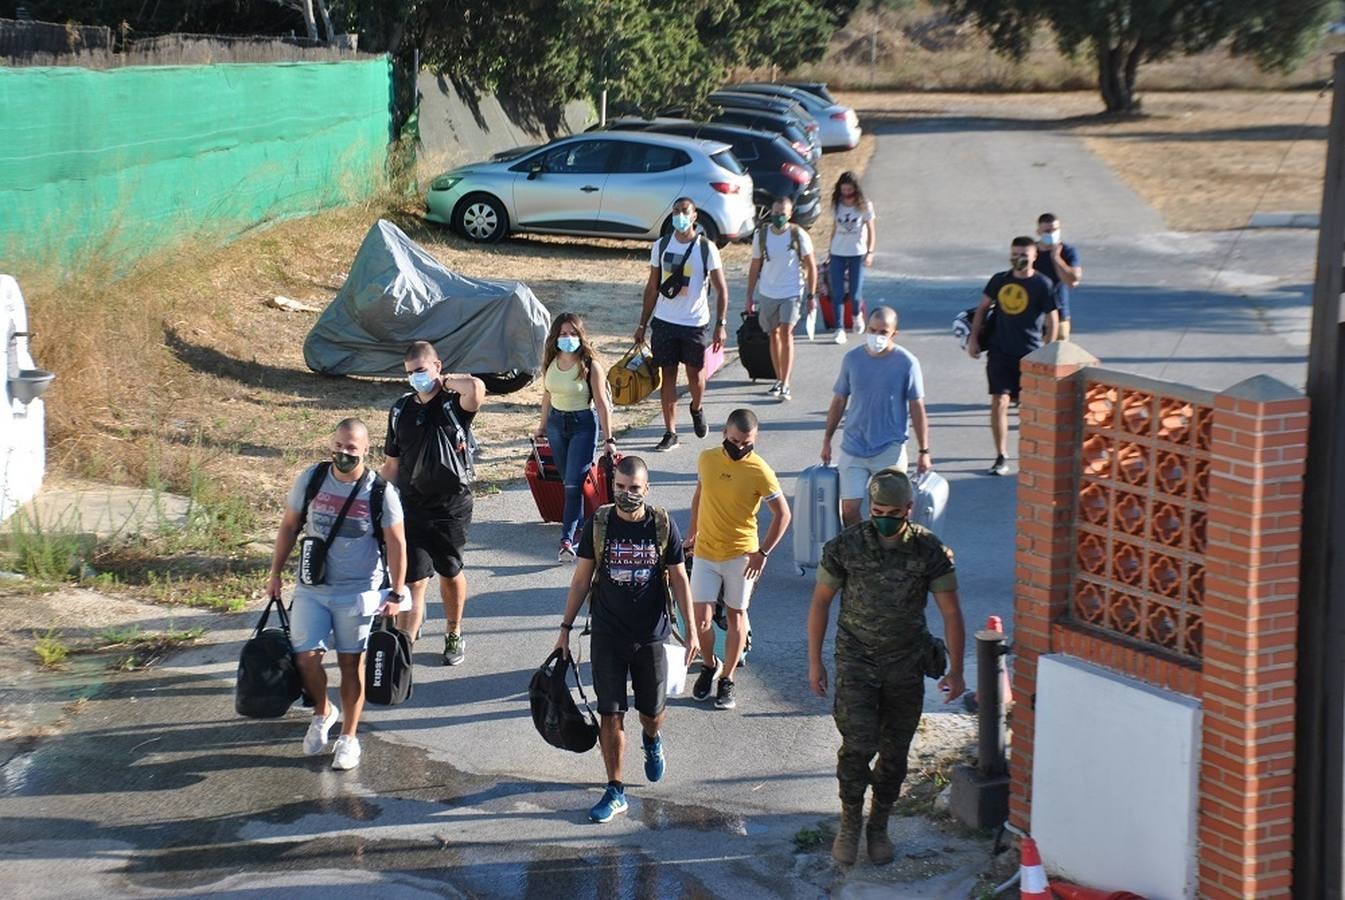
(573, 437)
(837, 270)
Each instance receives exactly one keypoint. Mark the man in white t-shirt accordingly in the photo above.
(784, 268)
(682, 265)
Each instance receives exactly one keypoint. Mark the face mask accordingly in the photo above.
(1019, 263)
(345, 463)
(567, 343)
(628, 502)
(681, 221)
(735, 452)
(877, 342)
(1050, 238)
(888, 525)
(779, 220)
(422, 382)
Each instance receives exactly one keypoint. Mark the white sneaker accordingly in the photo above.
(839, 336)
(784, 394)
(315, 739)
(859, 324)
(775, 389)
(347, 754)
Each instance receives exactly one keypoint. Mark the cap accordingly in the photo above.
(890, 487)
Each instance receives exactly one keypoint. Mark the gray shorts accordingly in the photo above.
(773, 312)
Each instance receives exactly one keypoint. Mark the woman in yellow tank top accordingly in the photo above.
(574, 401)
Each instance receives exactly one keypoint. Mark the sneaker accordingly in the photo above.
(669, 442)
(705, 682)
(839, 337)
(999, 467)
(654, 762)
(612, 804)
(347, 753)
(785, 395)
(775, 389)
(566, 553)
(454, 649)
(859, 324)
(315, 739)
(724, 699)
(698, 422)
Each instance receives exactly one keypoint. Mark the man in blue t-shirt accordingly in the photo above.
(1059, 262)
(1024, 305)
(880, 393)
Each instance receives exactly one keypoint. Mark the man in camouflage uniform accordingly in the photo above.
(885, 568)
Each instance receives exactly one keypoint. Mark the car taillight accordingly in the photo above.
(802, 147)
(810, 127)
(795, 173)
(839, 116)
(724, 187)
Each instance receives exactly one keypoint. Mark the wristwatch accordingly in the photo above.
(722, 322)
(763, 551)
(924, 450)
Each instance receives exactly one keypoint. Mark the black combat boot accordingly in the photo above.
(880, 845)
(845, 849)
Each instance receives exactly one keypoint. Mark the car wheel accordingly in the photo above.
(481, 218)
(505, 382)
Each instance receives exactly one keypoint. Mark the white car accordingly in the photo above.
(598, 184)
(838, 126)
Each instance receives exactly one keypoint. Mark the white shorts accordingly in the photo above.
(857, 470)
(707, 577)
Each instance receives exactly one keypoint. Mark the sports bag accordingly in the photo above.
(387, 664)
(444, 462)
(634, 377)
(554, 712)
(268, 679)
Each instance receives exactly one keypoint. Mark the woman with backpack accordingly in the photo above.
(574, 403)
(854, 234)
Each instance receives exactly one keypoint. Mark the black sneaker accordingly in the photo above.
(698, 422)
(724, 700)
(705, 682)
(999, 467)
(668, 443)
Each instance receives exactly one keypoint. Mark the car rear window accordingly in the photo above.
(726, 160)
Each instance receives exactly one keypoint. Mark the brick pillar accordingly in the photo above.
(1258, 454)
(1048, 437)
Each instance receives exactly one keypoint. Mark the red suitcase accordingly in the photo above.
(548, 486)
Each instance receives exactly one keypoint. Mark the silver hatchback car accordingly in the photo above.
(620, 185)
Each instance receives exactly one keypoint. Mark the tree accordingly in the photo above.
(1122, 34)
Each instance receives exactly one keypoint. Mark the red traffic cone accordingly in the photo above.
(994, 623)
(1032, 883)
(1066, 891)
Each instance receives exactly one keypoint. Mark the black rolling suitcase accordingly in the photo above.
(754, 349)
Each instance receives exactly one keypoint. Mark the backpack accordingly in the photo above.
(387, 664)
(268, 679)
(795, 242)
(443, 458)
(376, 491)
(554, 712)
(701, 242)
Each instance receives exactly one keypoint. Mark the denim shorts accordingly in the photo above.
(318, 615)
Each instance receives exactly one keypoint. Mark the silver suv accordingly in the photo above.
(596, 184)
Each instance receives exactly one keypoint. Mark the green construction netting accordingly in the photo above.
(122, 161)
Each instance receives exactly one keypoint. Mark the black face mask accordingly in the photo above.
(345, 463)
(735, 452)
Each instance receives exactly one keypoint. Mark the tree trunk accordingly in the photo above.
(309, 22)
(327, 29)
(1117, 67)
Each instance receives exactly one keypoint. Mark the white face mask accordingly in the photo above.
(877, 342)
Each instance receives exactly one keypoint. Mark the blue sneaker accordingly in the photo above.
(612, 804)
(654, 761)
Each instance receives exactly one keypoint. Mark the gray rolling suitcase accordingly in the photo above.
(931, 500)
(817, 514)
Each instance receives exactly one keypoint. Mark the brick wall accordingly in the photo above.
(1159, 539)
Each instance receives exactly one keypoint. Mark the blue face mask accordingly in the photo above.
(681, 221)
(567, 343)
(1049, 239)
(422, 382)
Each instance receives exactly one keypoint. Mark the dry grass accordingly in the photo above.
(177, 372)
(1205, 160)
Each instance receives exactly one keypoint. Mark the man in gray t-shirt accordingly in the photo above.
(337, 612)
(880, 392)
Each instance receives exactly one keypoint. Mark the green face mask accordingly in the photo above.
(888, 525)
(779, 220)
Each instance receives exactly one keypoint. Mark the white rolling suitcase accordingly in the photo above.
(930, 500)
(817, 514)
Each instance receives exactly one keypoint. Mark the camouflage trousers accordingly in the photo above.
(877, 711)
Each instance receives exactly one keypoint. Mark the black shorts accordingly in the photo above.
(1004, 374)
(673, 344)
(436, 537)
(613, 660)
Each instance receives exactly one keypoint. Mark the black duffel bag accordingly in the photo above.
(387, 664)
(554, 712)
(268, 678)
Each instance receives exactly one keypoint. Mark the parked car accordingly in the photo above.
(783, 105)
(777, 169)
(599, 184)
(761, 120)
(813, 87)
(838, 126)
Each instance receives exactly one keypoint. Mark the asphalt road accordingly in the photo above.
(159, 789)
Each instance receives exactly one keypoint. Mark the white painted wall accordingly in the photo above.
(1114, 780)
(23, 447)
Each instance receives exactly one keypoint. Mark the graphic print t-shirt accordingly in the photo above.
(851, 237)
(690, 306)
(353, 564)
(630, 600)
(1021, 303)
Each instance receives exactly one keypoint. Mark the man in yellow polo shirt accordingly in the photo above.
(733, 481)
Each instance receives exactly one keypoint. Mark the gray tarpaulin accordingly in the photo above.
(397, 293)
